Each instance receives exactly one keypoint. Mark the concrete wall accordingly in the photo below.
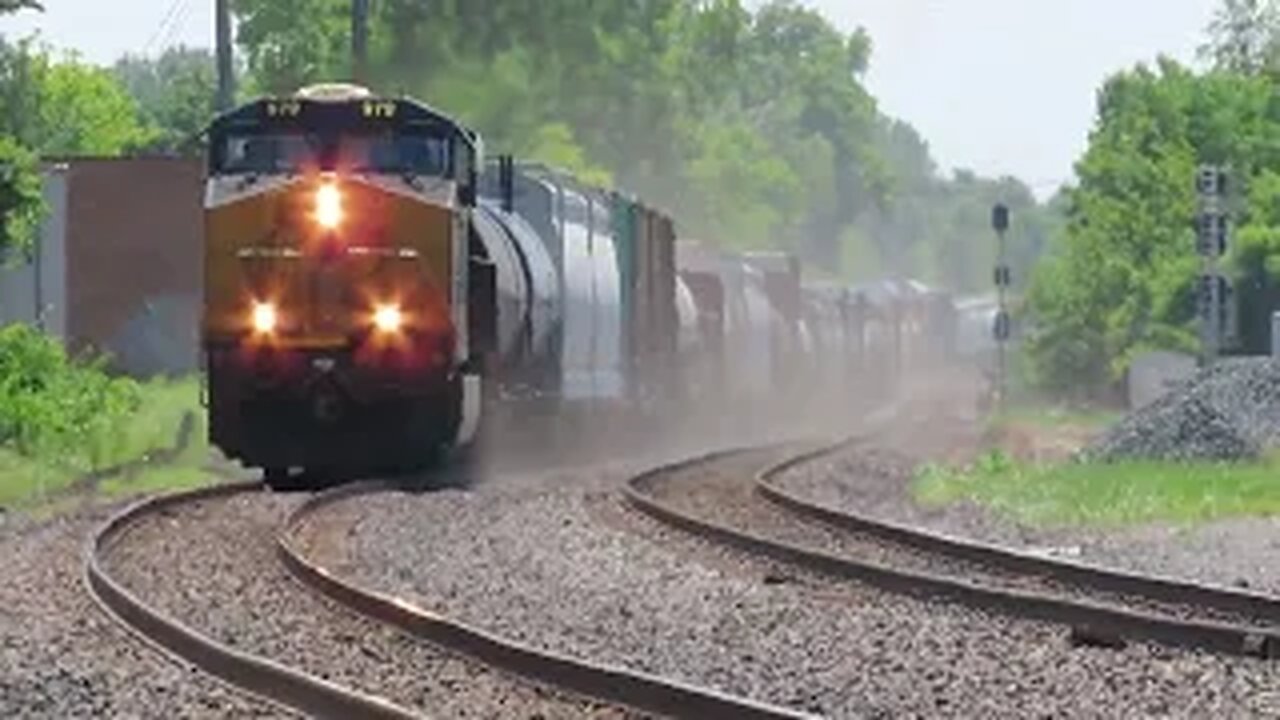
(34, 291)
(118, 267)
(134, 250)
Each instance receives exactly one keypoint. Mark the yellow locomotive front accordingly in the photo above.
(335, 314)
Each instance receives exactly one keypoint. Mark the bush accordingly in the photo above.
(56, 407)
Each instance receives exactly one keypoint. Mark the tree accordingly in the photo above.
(65, 107)
(1243, 36)
(12, 6)
(753, 128)
(21, 201)
(1122, 278)
(174, 94)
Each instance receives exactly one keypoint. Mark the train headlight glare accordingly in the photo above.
(388, 318)
(328, 206)
(264, 317)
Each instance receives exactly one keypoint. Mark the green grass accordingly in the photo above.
(1114, 494)
(1057, 417)
(33, 478)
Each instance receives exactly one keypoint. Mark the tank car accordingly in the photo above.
(338, 329)
(612, 322)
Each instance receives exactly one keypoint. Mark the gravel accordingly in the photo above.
(62, 657)
(566, 566)
(1227, 412)
(212, 565)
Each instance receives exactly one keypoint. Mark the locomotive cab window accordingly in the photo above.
(395, 153)
(268, 153)
(399, 153)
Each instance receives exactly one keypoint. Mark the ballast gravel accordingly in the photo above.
(1229, 411)
(568, 567)
(212, 565)
(63, 657)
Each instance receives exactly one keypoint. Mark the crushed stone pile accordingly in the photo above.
(1230, 411)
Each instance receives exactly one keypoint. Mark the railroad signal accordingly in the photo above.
(1000, 217)
(1211, 233)
(1211, 181)
(1003, 276)
(1001, 327)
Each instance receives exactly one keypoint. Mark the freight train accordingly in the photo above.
(377, 294)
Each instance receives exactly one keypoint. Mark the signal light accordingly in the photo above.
(328, 206)
(388, 318)
(264, 317)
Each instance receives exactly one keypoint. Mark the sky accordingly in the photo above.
(996, 86)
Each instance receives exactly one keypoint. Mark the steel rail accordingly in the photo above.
(1152, 587)
(255, 676)
(644, 692)
(1091, 618)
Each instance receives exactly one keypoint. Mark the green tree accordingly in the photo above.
(65, 107)
(753, 128)
(1122, 278)
(174, 94)
(21, 201)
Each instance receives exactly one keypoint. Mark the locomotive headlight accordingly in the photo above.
(328, 206)
(264, 317)
(388, 318)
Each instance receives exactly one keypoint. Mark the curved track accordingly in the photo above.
(609, 684)
(289, 688)
(1100, 605)
(260, 677)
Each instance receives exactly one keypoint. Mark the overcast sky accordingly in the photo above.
(999, 86)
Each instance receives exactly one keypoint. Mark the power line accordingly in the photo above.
(168, 18)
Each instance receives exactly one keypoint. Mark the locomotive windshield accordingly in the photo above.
(398, 153)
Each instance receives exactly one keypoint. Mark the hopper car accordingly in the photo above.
(377, 294)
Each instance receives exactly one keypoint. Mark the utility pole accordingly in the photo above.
(360, 41)
(226, 77)
(1003, 279)
(1212, 240)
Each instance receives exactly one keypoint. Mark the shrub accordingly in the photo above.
(56, 407)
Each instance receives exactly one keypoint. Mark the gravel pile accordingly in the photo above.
(1230, 411)
(212, 565)
(61, 657)
(570, 569)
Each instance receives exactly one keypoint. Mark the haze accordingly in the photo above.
(998, 86)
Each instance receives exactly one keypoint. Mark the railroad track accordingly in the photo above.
(743, 505)
(290, 688)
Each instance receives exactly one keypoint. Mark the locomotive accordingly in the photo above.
(376, 293)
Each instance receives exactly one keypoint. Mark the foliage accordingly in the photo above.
(1123, 278)
(754, 129)
(11, 6)
(174, 94)
(52, 405)
(64, 107)
(21, 201)
(38, 480)
(1109, 494)
(1243, 36)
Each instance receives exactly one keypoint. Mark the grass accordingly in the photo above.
(29, 479)
(1050, 417)
(1113, 494)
